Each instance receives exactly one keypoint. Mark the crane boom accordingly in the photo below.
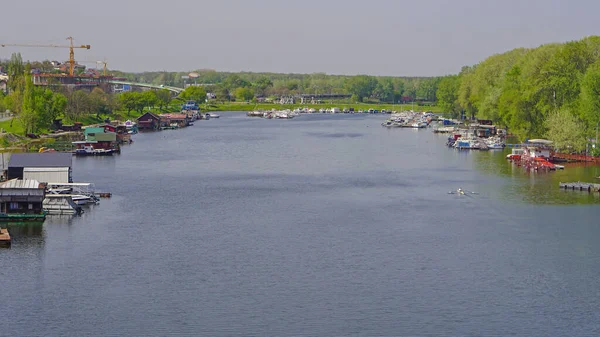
(70, 46)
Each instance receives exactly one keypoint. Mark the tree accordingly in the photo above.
(49, 105)
(590, 97)
(129, 100)
(2, 102)
(78, 102)
(564, 129)
(16, 69)
(112, 103)
(384, 90)
(362, 86)
(234, 81)
(426, 89)
(164, 98)
(447, 95)
(262, 85)
(148, 99)
(59, 104)
(244, 94)
(98, 101)
(194, 93)
(28, 110)
(410, 91)
(222, 93)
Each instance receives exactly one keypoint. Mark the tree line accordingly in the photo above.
(244, 86)
(550, 91)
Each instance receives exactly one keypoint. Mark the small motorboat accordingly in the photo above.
(212, 115)
(91, 151)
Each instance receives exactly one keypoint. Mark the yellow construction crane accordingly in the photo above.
(96, 63)
(70, 46)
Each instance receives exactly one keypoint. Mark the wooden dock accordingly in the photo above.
(580, 186)
(4, 237)
(577, 158)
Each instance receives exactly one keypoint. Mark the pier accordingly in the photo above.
(4, 237)
(580, 186)
(577, 158)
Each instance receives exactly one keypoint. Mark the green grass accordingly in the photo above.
(16, 127)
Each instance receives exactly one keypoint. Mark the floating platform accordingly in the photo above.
(580, 186)
(4, 237)
(4, 217)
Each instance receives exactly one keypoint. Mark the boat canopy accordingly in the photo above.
(85, 142)
(540, 141)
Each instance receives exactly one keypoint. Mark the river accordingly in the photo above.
(316, 226)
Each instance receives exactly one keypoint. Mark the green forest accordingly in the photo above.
(550, 91)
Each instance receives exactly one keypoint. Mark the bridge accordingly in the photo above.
(176, 90)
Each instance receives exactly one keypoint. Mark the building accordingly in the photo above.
(99, 138)
(180, 120)
(22, 196)
(100, 135)
(148, 121)
(47, 167)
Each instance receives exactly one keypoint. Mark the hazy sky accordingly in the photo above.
(376, 37)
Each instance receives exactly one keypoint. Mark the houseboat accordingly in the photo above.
(21, 200)
(536, 155)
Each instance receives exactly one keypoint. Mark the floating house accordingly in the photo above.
(46, 167)
(123, 135)
(22, 200)
(98, 140)
(148, 121)
(174, 120)
(102, 136)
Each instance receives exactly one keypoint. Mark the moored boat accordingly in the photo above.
(91, 151)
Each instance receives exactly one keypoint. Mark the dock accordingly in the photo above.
(4, 237)
(580, 186)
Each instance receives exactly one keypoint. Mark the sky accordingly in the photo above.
(346, 37)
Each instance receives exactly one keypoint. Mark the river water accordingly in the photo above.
(317, 226)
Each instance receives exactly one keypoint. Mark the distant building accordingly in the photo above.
(51, 167)
(3, 83)
(148, 121)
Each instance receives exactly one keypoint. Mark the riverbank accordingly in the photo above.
(12, 136)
